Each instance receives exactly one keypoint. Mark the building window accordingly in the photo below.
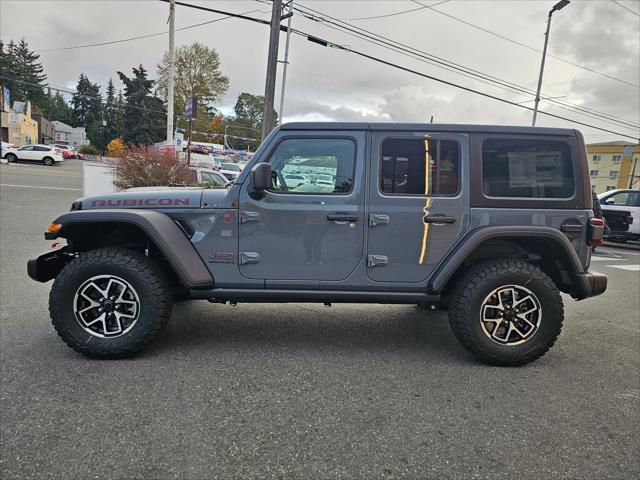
(597, 158)
(594, 173)
(613, 174)
(610, 187)
(525, 168)
(407, 163)
(616, 158)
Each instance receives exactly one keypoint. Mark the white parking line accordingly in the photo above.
(38, 187)
(631, 268)
(605, 259)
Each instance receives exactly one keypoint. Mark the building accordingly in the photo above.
(614, 165)
(75, 136)
(46, 131)
(18, 127)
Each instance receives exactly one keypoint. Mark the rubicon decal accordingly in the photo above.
(141, 202)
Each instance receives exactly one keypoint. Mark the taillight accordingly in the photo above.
(629, 220)
(596, 231)
(57, 150)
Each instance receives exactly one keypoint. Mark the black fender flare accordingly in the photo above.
(161, 229)
(477, 236)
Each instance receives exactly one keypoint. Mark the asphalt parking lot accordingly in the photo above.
(305, 391)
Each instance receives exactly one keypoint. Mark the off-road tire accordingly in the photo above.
(11, 158)
(148, 280)
(473, 288)
(48, 161)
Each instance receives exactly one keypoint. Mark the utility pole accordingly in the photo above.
(172, 68)
(633, 172)
(558, 6)
(272, 65)
(286, 59)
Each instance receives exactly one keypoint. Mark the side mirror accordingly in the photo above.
(261, 177)
(609, 201)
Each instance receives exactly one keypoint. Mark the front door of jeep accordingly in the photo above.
(310, 226)
(418, 205)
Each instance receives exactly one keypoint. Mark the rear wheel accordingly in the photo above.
(110, 303)
(48, 161)
(506, 312)
(11, 157)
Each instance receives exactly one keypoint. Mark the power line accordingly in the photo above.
(490, 32)
(140, 37)
(327, 43)
(426, 57)
(422, 7)
(626, 8)
(84, 95)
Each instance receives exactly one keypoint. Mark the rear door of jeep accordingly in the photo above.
(418, 197)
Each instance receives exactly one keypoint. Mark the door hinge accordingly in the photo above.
(248, 257)
(377, 260)
(378, 219)
(246, 217)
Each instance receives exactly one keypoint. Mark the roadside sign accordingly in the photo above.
(191, 108)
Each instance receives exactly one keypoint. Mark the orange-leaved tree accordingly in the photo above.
(115, 148)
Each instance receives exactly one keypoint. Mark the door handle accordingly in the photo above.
(438, 219)
(342, 217)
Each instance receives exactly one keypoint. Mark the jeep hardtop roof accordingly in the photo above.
(432, 127)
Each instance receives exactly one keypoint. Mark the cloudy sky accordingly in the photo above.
(329, 84)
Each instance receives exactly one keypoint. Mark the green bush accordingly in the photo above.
(89, 150)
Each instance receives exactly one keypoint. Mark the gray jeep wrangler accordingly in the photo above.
(489, 222)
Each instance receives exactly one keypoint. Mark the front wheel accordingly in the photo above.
(11, 158)
(110, 303)
(506, 312)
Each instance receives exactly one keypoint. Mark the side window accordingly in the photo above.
(627, 199)
(313, 165)
(26, 149)
(41, 149)
(420, 166)
(522, 168)
(210, 179)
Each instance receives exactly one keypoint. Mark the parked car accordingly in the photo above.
(47, 154)
(200, 149)
(294, 180)
(210, 177)
(496, 239)
(621, 210)
(230, 170)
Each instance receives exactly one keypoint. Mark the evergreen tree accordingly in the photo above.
(87, 110)
(144, 114)
(110, 113)
(25, 74)
(120, 115)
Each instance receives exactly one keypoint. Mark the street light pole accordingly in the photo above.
(558, 6)
(171, 74)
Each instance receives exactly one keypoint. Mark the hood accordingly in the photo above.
(148, 197)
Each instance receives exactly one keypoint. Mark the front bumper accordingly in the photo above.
(47, 266)
(589, 284)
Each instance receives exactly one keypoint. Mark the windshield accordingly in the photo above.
(231, 166)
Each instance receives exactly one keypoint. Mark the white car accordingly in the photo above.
(230, 170)
(210, 177)
(47, 154)
(294, 180)
(621, 210)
